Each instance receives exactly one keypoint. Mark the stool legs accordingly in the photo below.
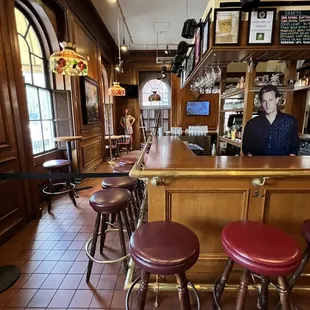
(122, 239)
(104, 227)
(220, 286)
(145, 277)
(242, 293)
(263, 296)
(183, 291)
(283, 291)
(93, 246)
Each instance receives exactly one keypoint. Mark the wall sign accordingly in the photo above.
(294, 27)
(261, 24)
(197, 46)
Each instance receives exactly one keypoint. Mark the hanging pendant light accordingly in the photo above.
(154, 97)
(68, 62)
(117, 90)
(124, 47)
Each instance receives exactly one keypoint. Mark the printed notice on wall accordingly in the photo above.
(294, 27)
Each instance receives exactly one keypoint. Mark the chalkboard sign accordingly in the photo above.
(295, 27)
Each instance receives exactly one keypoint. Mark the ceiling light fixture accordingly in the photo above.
(124, 47)
(167, 52)
(113, 1)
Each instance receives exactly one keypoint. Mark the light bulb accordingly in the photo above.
(113, 1)
(124, 48)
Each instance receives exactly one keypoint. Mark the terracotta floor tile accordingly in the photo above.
(55, 255)
(7, 296)
(120, 281)
(112, 269)
(53, 281)
(61, 299)
(82, 257)
(82, 236)
(42, 298)
(35, 281)
(46, 267)
(62, 245)
(70, 255)
(107, 282)
(48, 245)
(69, 236)
(30, 266)
(39, 255)
(42, 236)
(78, 268)
(118, 300)
(76, 245)
(62, 267)
(102, 298)
(91, 285)
(34, 244)
(22, 298)
(71, 281)
(87, 229)
(75, 229)
(56, 236)
(82, 298)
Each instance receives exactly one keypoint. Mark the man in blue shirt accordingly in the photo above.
(272, 133)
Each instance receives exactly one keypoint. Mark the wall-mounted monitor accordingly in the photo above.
(132, 91)
(198, 108)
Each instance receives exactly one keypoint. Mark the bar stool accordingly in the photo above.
(264, 252)
(305, 231)
(108, 202)
(58, 165)
(129, 184)
(122, 169)
(127, 161)
(164, 248)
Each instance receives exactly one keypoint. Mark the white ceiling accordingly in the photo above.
(147, 18)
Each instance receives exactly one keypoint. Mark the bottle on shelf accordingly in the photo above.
(213, 151)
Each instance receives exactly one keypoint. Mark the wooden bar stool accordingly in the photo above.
(106, 203)
(164, 248)
(264, 252)
(58, 165)
(129, 184)
(305, 230)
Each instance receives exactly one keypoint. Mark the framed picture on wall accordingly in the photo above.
(197, 45)
(205, 36)
(261, 26)
(89, 100)
(227, 26)
(190, 63)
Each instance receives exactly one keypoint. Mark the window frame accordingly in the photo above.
(154, 106)
(42, 40)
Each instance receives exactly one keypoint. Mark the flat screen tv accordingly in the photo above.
(197, 108)
(131, 90)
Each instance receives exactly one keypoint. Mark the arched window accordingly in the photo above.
(161, 87)
(34, 67)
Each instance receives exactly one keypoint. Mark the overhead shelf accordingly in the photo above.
(232, 142)
(280, 88)
(232, 110)
(237, 94)
(302, 88)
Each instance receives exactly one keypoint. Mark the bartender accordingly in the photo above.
(272, 133)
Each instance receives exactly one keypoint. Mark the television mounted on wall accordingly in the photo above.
(198, 108)
(132, 91)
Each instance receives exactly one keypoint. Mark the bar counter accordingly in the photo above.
(206, 193)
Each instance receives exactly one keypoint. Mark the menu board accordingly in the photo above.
(294, 27)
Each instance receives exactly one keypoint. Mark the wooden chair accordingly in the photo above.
(124, 143)
(114, 146)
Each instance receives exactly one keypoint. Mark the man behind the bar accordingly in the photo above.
(272, 133)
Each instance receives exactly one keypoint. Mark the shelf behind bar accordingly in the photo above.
(232, 110)
(302, 88)
(232, 142)
(234, 94)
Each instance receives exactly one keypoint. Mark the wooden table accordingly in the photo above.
(207, 192)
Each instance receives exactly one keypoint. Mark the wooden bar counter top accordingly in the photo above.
(206, 193)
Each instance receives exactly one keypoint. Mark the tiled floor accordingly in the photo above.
(50, 252)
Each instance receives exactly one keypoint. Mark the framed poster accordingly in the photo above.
(189, 63)
(205, 41)
(197, 45)
(89, 100)
(261, 26)
(227, 26)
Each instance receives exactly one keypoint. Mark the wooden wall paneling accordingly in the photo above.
(299, 108)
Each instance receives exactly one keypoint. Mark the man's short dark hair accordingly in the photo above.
(266, 89)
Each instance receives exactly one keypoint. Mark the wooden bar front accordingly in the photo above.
(206, 193)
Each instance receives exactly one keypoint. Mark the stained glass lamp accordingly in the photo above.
(154, 97)
(68, 62)
(117, 90)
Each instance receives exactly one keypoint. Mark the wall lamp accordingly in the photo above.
(183, 48)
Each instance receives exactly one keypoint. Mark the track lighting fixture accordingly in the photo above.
(113, 1)
(249, 5)
(189, 27)
(183, 48)
(119, 68)
(124, 47)
(167, 52)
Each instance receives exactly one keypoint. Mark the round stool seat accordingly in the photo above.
(112, 200)
(122, 169)
(164, 248)
(119, 182)
(261, 248)
(306, 230)
(56, 163)
(127, 161)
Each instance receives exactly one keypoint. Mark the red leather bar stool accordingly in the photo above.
(108, 202)
(164, 248)
(58, 165)
(129, 161)
(129, 184)
(305, 231)
(262, 251)
(122, 169)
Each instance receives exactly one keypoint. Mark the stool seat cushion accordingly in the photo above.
(122, 169)
(56, 163)
(119, 182)
(109, 201)
(261, 248)
(306, 230)
(164, 247)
